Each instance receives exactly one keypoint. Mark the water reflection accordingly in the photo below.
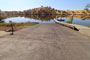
(83, 17)
(77, 19)
(42, 17)
(49, 17)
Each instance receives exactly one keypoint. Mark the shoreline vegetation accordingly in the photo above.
(69, 21)
(44, 11)
(41, 13)
(17, 26)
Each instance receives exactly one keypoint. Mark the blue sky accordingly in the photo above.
(9, 5)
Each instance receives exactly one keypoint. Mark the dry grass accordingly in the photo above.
(17, 26)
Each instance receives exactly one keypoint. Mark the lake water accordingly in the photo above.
(23, 19)
(79, 21)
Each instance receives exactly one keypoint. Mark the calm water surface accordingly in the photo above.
(79, 21)
(23, 19)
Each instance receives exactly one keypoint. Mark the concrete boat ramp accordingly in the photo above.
(3, 33)
(82, 29)
(45, 41)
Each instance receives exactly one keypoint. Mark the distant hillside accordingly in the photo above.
(78, 12)
(43, 11)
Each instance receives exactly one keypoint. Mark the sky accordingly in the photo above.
(20, 5)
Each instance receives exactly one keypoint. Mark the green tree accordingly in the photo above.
(87, 6)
